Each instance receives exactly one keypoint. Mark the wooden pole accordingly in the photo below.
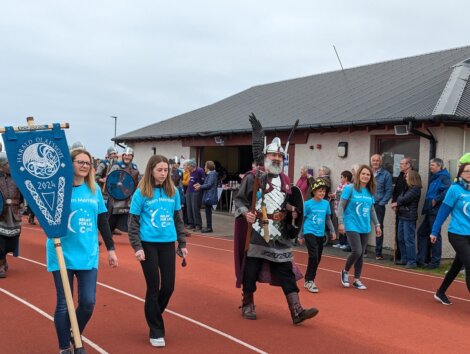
(68, 293)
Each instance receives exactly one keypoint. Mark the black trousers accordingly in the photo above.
(283, 271)
(159, 272)
(461, 245)
(315, 249)
(7, 244)
(118, 221)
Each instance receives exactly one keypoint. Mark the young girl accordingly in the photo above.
(407, 206)
(457, 204)
(357, 206)
(317, 213)
(154, 225)
(80, 247)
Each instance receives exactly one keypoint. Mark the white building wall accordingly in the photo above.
(360, 145)
(170, 148)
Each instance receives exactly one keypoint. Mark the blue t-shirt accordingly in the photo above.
(315, 214)
(80, 244)
(156, 215)
(459, 200)
(357, 214)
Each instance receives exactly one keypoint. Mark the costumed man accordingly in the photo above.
(176, 174)
(10, 214)
(104, 167)
(270, 235)
(119, 209)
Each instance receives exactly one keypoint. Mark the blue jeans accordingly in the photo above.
(86, 280)
(428, 252)
(406, 240)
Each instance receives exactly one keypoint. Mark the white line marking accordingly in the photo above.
(372, 279)
(212, 329)
(49, 317)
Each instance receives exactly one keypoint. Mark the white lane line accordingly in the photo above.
(343, 259)
(49, 317)
(212, 329)
(372, 279)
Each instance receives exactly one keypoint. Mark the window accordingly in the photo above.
(394, 148)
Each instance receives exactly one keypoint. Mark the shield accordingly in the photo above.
(1, 203)
(120, 185)
(297, 200)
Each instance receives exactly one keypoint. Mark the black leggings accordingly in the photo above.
(315, 250)
(461, 245)
(159, 272)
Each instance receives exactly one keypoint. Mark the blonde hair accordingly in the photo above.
(90, 177)
(413, 179)
(147, 183)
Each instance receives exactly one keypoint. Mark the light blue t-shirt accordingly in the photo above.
(156, 215)
(357, 214)
(80, 244)
(459, 200)
(315, 214)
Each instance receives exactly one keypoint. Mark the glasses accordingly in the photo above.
(82, 163)
(466, 171)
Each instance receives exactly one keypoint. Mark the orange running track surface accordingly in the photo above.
(397, 314)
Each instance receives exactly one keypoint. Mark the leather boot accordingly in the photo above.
(297, 312)
(31, 220)
(3, 268)
(248, 306)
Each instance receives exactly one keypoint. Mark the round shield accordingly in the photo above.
(1, 203)
(120, 185)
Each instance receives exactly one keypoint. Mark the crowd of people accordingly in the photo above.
(160, 207)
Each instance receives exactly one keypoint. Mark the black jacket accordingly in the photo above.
(407, 203)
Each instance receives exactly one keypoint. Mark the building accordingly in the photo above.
(417, 106)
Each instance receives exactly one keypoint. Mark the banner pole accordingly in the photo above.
(68, 294)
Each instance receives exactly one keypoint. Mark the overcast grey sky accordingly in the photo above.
(147, 60)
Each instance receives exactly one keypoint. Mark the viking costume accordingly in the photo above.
(119, 209)
(269, 244)
(10, 216)
(104, 167)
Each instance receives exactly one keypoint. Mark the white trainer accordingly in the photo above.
(157, 342)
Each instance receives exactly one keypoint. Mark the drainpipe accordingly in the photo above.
(430, 137)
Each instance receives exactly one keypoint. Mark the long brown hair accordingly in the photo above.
(414, 179)
(147, 183)
(370, 185)
(90, 177)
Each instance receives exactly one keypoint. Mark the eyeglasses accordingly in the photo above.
(466, 171)
(82, 163)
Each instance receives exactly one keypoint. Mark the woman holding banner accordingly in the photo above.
(155, 223)
(80, 247)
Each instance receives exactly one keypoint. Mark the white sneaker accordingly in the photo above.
(345, 278)
(313, 288)
(337, 246)
(358, 285)
(157, 342)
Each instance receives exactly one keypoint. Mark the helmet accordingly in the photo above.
(77, 146)
(128, 151)
(275, 147)
(3, 158)
(111, 150)
(319, 183)
(465, 158)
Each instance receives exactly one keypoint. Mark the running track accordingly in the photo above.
(397, 314)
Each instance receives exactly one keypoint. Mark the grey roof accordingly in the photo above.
(389, 91)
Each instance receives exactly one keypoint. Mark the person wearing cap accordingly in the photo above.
(465, 158)
(271, 236)
(317, 214)
(104, 167)
(10, 217)
(355, 213)
(119, 209)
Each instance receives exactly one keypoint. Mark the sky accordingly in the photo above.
(144, 61)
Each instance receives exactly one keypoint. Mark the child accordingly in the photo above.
(346, 178)
(407, 205)
(317, 213)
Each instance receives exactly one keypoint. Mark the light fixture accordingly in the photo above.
(343, 149)
(219, 140)
(401, 130)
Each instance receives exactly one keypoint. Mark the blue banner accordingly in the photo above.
(42, 169)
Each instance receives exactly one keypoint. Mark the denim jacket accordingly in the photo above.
(383, 180)
(209, 189)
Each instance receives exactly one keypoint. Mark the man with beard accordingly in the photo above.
(270, 236)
